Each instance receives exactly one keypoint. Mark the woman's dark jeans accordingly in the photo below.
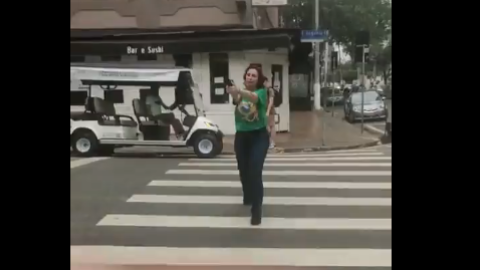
(251, 149)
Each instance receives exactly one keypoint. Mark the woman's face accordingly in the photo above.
(251, 78)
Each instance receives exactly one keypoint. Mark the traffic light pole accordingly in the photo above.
(334, 65)
(316, 58)
(325, 64)
(363, 87)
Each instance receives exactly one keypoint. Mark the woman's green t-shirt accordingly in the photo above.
(250, 116)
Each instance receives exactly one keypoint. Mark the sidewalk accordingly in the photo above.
(305, 134)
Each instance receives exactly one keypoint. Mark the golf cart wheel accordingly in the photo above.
(84, 143)
(206, 146)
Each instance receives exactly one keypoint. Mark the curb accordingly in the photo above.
(373, 130)
(384, 139)
(320, 148)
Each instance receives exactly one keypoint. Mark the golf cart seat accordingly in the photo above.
(105, 111)
(140, 109)
(89, 108)
(152, 129)
(87, 115)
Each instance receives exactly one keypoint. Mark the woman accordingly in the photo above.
(252, 138)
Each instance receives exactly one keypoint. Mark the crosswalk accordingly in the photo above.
(329, 209)
(79, 162)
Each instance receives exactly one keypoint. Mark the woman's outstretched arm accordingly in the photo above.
(249, 95)
(239, 94)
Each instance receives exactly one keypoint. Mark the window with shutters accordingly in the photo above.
(218, 76)
(277, 84)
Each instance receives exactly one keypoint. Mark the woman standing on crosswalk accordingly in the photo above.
(251, 137)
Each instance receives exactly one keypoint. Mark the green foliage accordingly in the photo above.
(349, 75)
(343, 19)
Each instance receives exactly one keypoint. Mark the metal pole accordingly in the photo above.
(363, 84)
(359, 74)
(316, 64)
(334, 72)
(316, 83)
(333, 99)
(325, 63)
(324, 113)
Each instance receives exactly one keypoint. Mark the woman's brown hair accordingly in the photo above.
(261, 77)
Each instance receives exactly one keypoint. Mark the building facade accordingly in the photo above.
(160, 14)
(216, 38)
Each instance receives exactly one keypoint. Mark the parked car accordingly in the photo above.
(373, 106)
(331, 96)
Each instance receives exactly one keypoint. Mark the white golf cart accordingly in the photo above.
(99, 129)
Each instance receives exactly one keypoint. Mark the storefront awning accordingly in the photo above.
(180, 45)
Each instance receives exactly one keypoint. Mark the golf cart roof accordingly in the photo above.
(126, 72)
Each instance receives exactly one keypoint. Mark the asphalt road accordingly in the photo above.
(330, 209)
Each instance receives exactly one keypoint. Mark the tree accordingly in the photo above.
(385, 61)
(343, 19)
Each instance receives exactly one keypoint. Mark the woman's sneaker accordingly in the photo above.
(272, 146)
